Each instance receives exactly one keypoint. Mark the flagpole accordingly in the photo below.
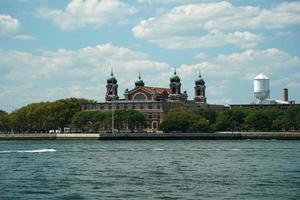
(112, 117)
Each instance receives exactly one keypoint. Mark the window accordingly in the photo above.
(140, 97)
(173, 90)
(154, 125)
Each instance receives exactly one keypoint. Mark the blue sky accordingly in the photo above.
(57, 49)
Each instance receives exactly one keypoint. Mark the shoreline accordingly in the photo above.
(154, 136)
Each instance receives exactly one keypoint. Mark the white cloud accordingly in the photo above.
(246, 64)
(154, 2)
(26, 77)
(201, 56)
(49, 75)
(8, 25)
(10, 28)
(23, 37)
(294, 85)
(214, 24)
(94, 13)
(233, 70)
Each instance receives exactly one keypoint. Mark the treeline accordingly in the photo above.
(45, 116)
(207, 120)
(95, 121)
(41, 117)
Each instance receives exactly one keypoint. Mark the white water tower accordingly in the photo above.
(261, 88)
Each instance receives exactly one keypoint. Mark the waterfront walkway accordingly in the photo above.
(153, 136)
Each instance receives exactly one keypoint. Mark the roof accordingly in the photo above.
(158, 90)
(261, 76)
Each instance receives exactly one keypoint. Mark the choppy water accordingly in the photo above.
(254, 169)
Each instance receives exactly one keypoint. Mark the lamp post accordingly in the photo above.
(112, 117)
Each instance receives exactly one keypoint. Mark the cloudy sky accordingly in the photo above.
(57, 49)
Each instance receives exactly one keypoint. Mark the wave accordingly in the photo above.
(30, 151)
(212, 149)
(158, 149)
(190, 149)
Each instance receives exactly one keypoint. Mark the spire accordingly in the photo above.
(111, 79)
(199, 80)
(175, 77)
(139, 82)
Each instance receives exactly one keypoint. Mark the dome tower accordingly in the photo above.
(175, 87)
(139, 82)
(200, 90)
(111, 88)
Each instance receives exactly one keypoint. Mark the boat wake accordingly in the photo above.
(30, 151)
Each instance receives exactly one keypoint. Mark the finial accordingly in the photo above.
(111, 72)
(139, 75)
(175, 71)
(199, 73)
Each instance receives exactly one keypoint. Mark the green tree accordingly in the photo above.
(136, 119)
(291, 118)
(95, 120)
(200, 125)
(46, 115)
(231, 120)
(209, 114)
(188, 121)
(4, 121)
(259, 120)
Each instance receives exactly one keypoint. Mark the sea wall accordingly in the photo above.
(72, 136)
(27, 136)
(154, 136)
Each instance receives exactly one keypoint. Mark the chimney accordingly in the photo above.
(285, 94)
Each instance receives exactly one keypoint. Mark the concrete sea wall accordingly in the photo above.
(154, 136)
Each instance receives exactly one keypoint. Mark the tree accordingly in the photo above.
(46, 115)
(259, 120)
(200, 125)
(291, 118)
(209, 114)
(135, 119)
(178, 120)
(231, 120)
(4, 121)
(95, 120)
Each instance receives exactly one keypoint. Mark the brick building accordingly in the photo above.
(154, 102)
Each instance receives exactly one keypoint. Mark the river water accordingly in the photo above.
(182, 169)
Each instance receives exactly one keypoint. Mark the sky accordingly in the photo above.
(58, 49)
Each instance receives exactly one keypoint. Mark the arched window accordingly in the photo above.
(154, 125)
(140, 97)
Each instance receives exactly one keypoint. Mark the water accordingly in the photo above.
(253, 169)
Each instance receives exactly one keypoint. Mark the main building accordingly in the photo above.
(154, 102)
